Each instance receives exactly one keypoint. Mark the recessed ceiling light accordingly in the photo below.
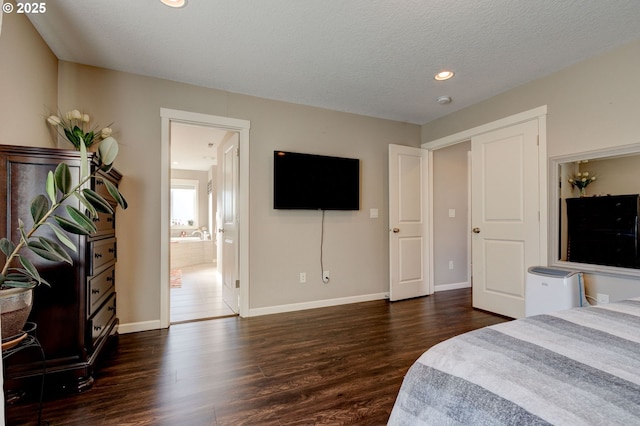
(443, 75)
(442, 100)
(175, 3)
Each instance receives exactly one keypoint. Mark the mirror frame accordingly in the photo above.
(554, 205)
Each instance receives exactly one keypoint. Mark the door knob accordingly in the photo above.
(221, 230)
(396, 230)
(476, 230)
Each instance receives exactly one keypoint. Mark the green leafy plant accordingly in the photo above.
(18, 270)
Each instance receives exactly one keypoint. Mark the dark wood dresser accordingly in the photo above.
(76, 318)
(604, 230)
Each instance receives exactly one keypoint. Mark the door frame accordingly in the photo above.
(233, 124)
(539, 113)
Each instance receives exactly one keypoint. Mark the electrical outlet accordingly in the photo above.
(451, 264)
(303, 277)
(602, 298)
(325, 276)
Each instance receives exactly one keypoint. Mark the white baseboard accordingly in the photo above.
(316, 304)
(134, 327)
(452, 286)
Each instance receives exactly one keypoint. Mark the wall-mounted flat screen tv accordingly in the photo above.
(315, 182)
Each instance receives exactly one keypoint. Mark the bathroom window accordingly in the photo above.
(184, 203)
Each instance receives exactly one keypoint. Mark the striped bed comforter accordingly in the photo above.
(574, 367)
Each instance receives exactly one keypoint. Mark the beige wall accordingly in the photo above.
(28, 84)
(450, 191)
(283, 243)
(591, 105)
(615, 176)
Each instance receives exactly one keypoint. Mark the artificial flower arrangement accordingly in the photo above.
(74, 126)
(581, 180)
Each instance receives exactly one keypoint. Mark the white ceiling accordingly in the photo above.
(195, 147)
(369, 57)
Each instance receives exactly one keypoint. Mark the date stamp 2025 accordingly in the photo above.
(26, 8)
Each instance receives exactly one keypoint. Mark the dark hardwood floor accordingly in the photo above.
(337, 365)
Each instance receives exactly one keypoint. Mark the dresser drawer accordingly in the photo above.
(101, 253)
(99, 288)
(99, 323)
(105, 224)
(101, 188)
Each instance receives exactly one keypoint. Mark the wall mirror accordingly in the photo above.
(617, 174)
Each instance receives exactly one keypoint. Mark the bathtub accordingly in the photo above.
(187, 251)
(185, 239)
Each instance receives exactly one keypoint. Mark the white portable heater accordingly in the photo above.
(548, 290)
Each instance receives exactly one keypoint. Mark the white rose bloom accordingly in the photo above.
(54, 120)
(86, 118)
(76, 115)
(584, 179)
(593, 178)
(579, 174)
(585, 174)
(106, 132)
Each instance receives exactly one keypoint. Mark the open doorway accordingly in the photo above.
(234, 270)
(451, 192)
(196, 286)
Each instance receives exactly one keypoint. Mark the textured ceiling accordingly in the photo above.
(369, 57)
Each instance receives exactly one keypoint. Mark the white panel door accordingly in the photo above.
(505, 216)
(408, 222)
(228, 216)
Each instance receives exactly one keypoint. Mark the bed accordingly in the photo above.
(575, 367)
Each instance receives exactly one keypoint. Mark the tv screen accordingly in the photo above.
(315, 182)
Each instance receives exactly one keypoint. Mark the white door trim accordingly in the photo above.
(466, 135)
(240, 126)
(539, 113)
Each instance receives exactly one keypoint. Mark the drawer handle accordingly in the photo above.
(97, 255)
(95, 291)
(111, 250)
(96, 219)
(111, 308)
(109, 279)
(110, 219)
(97, 327)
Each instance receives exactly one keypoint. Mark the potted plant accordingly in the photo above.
(18, 275)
